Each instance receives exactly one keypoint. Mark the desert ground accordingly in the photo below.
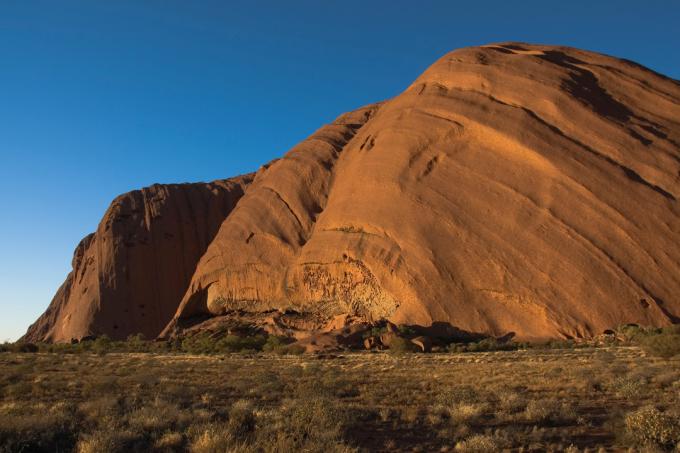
(608, 398)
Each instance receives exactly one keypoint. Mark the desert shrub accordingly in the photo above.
(202, 343)
(467, 412)
(664, 345)
(549, 412)
(456, 395)
(169, 441)
(477, 443)
(37, 431)
(487, 344)
(561, 344)
(241, 420)
(673, 329)
(25, 347)
(58, 348)
(632, 333)
(275, 342)
(401, 345)
(374, 332)
(136, 343)
(648, 425)
(19, 347)
(333, 384)
(627, 387)
(282, 345)
(234, 343)
(457, 347)
(484, 345)
(461, 404)
(98, 384)
(405, 330)
(295, 349)
(311, 424)
(99, 409)
(100, 441)
(102, 345)
(214, 438)
(511, 402)
(156, 417)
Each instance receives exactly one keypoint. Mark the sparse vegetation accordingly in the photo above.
(648, 426)
(533, 399)
(665, 345)
(401, 345)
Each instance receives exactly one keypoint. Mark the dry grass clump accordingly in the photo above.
(467, 412)
(169, 441)
(215, 438)
(627, 386)
(36, 428)
(648, 426)
(478, 443)
(310, 425)
(664, 345)
(511, 402)
(549, 412)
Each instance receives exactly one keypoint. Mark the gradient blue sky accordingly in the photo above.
(101, 97)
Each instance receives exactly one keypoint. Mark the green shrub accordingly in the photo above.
(19, 346)
(484, 345)
(632, 333)
(405, 330)
(673, 329)
(102, 344)
(234, 343)
(276, 343)
(374, 332)
(136, 343)
(401, 345)
(202, 343)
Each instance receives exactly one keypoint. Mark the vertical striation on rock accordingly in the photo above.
(130, 275)
(511, 188)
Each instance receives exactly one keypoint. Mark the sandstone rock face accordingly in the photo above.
(511, 188)
(130, 275)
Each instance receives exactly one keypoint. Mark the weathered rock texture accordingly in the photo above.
(130, 275)
(511, 188)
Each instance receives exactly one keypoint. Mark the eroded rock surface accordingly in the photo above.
(511, 188)
(130, 275)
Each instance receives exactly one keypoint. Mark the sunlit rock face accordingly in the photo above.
(130, 275)
(511, 188)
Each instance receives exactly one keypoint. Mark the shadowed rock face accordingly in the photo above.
(130, 275)
(511, 188)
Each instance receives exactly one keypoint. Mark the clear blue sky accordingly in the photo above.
(101, 97)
